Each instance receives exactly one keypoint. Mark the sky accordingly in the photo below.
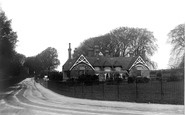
(56, 23)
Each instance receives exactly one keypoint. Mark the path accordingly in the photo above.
(30, 98)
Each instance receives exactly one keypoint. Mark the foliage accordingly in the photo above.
(118, 80)
(88, 79)
(33, 64)
(131, 79)
(8, 37)
(142, 80)
(138, 79)
(176, 75)
(11, 62)
(177, 39)
(47, 60)
(173, 78)
(159, 76)
(55, 76)
(123, 41)
(17, 67)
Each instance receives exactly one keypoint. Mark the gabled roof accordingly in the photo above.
(102, 61)
(81, 59)
(139, 61)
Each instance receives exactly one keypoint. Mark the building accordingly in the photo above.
(104, 66)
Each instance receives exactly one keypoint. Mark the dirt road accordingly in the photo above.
(30, 98)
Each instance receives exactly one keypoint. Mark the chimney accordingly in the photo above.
(96, 50)
(90, 52)
(106, 53)
(143, 54)
(69, 51)
(76, 53)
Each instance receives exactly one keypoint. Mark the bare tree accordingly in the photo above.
(177, 39)
(123, 41)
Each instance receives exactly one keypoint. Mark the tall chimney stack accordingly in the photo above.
(69, 51)
(106, 53)
(90, 52)
(96, 50)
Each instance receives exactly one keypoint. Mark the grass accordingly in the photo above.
(173, 92)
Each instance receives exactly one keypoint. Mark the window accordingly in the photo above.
(118, 68)
(97, 68)
(107, 69)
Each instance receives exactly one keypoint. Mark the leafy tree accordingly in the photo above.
(55, 76)
(16, 64)
(134, 42)
(47, 60)
(124, 37)
(177, 39)
(104, 42)
(33, 64)
(8, 40)
(123, 41)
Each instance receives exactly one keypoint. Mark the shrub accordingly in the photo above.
(118, 80)
(55, 76)
(131, 79)
(88, 79)
(71, 81)
(110, 81)
(173, 78)
(142, 80)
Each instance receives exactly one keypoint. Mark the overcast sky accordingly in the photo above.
(55, 23)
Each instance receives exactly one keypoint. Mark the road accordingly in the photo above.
(31, 98)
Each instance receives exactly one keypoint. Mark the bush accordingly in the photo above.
(173, 78)
(55, 76)
(88, 79)
(138, 79)
(71, 81)
(131, 79)
(118, 80)
(110, 81)
(142, 80)
(159, 76)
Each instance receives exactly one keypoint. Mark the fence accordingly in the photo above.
(152, 92)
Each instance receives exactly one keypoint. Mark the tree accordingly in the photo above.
(8, 40)
(104, 42)
(134, 42)
(16, 64)
(33, 64)
(123, 41)
(124, 37)
(47, 60)
(177, 39)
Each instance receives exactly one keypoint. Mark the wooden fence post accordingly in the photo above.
(82, 89)
(92, 91)
(118, 91)
(162, 93)
(103, 91)
(74, 89)
(136, 89)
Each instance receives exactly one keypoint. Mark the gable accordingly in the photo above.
(81, 59)
(139, 61)
(126, 63)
